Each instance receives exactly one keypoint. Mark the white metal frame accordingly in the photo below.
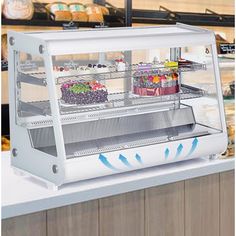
(48, 44)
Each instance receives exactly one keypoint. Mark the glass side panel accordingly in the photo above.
(116, 100)
(206, 108)
(32, 100)
(32, 87)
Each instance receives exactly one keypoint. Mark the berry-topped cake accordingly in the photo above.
(150, 81)
(83, 93)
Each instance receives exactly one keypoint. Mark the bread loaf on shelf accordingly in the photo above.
(18, 9)
(105, 11)
(94, 12)
(4, 53)
(219, 40)
(60, 11)
(78, 12)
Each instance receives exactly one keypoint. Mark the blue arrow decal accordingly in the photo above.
(124, 160)
(105, 162)
(179, 150)
(138, 158)
(167, 152)
(194, 145)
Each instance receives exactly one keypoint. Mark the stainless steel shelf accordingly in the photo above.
(113, 74)
(40, 77)
(118, 104)
(83, 149)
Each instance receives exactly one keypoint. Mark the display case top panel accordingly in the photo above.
(116, 32)
(111, 39)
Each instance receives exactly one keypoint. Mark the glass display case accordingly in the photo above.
(91, 103)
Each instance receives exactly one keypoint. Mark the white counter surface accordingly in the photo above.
(23, 195)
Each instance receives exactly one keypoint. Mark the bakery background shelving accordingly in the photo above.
(42, 19)
(110, 21)
(167, 16)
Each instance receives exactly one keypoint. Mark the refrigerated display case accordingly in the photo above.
(92, 103)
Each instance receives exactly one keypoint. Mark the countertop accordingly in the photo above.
(24, 195)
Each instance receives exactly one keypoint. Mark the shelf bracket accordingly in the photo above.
(209, 11)
(30, 79)
(171, 14)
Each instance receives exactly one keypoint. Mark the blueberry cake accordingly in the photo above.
(83, 93)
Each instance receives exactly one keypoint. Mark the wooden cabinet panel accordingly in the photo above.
(202, 206)
(227, 203)
(26, 225)
(74, 220)
(122, 215)
(164, 210)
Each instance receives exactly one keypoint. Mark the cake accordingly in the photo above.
(83, 93)
(72, 70)
(120, 65)
(149, 81)
(61, 71)
(102, 69)
(98, 68)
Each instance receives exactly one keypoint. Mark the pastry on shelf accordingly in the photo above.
(78, 12)
(219, 40)
(18, 9)
(62, 71)
(229, 91)
(59, 11)
(231, 142)
(94, 12)
(120, 64)
(102, 69)
(5, 144)
(105, 11)
(4, 52)
(98, 68)
(83, 93)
